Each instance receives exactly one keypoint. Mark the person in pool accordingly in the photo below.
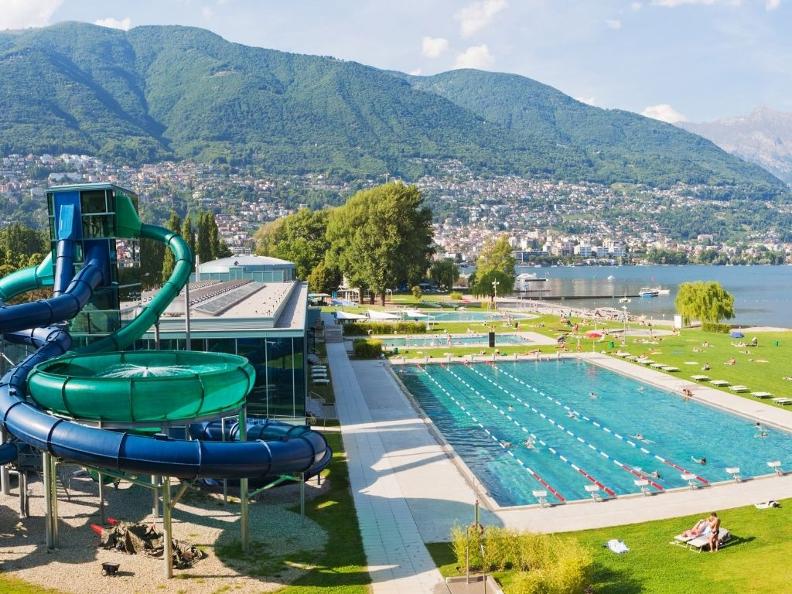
(702, 460)
(760, 430)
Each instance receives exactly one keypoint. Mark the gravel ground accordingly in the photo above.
(282, 541)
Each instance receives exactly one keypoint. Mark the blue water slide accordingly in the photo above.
(273, 447)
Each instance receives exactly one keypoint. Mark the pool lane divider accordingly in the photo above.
(500, 442)
(665, 461)
(559, 426)
(552, 450)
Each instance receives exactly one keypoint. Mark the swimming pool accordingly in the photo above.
(438, 341)
(487, 412)
(470, 316)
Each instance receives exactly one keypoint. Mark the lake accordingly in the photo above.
(761, 293)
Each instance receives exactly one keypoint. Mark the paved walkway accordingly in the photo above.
(398, 561)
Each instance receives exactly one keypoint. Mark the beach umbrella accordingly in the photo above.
(736, 334)
(594, 334)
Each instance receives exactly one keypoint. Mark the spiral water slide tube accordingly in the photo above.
(273, 448)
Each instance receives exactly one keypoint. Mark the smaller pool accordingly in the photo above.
(438, 341)
(470, 316)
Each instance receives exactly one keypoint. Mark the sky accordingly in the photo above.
(675, 60)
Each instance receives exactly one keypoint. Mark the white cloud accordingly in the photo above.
(433, 47)
(772, 4)
(614, 24)
(416, 72)
(207, 12)
(663, 112)
(124, 24)
(476, 16)
(675, 3)
(587, 100)
(476, 56)
(18, 14)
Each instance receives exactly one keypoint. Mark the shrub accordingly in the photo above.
(720, 328)
(366, 348)
(417, 292)
(455, 296)
(366, 328)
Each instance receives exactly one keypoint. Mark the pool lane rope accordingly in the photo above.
(598, 425)
(626, 467)
(500, 442)
(551, 449)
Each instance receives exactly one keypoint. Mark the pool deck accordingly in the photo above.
(426, 478)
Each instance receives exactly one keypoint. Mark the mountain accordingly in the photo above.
(764, 137)
(163, 92)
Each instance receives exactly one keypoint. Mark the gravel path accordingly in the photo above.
(282, 541)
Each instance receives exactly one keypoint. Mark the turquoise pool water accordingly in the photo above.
(626, 430)
(469, 316)
(455, 340)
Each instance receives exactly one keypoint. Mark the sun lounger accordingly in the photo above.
(322, 381)
(719, 383)
(656, 365)
(702, 542)
(670, 368)
(782, 401)
(700, 378)
(739, 389)
(762, 394)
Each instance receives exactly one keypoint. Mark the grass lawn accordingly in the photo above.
(758, 560)
(12, 585)
(761, 368)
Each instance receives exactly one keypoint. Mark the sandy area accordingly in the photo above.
(281, 541)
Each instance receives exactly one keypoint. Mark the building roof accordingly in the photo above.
(223, 264)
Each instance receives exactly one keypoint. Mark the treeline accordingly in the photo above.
(200, 232)
(380, 239)
(20, 247)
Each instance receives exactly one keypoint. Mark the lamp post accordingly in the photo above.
(624, 336)
(495, 284)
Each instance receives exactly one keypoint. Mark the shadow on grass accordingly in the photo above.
(612, 581)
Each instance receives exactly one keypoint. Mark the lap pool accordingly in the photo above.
(626, 432)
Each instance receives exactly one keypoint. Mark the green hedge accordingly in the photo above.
(366, 328)
(721, 328)
(367, 348)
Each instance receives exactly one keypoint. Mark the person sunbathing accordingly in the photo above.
(699, 528)
(731, 361)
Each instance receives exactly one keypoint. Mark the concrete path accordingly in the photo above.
(397, 559)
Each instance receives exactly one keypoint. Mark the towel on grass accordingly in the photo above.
(617, 546)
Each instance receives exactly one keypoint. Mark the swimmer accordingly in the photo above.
(530, 443)
(505, 444)
(701, 460)
(510, 408)
(640, 437)
(654, 474)
(760, 430)
(592, 395)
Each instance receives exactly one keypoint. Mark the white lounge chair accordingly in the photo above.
(670, 368)
(719, 383)
(761, 394)
(656, 365)
(782, 401)
(321, 381)
(701, 542)
(700, 378)
(739, 389)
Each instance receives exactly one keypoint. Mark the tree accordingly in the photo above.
(324, 279)
(203, 244)
(300, 237)
(483, 286)
(18, 243)
(495, 263)
(381, 238)
(188, 235)
(174, 223)
(707, 302)
(417, 293)
(444, 273)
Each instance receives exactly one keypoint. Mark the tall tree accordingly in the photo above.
(300, 237)
(188, 234)
(381, 237)
(18, 243)
(444, 272)
(324, 279)
(174, 224)
(203, 243)
(705, 301)
(215, 243)
(495, 264)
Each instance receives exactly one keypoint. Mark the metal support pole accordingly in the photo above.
(5, 478)
(54, 486)
(187, 339)
(155, 496)
(225, 481)
(24, 506)
(166, 527)
(46, 465)
(101, 491)
(244, 532)
(157, 335)
(302, 496)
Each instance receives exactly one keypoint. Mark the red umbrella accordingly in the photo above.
(594, 334)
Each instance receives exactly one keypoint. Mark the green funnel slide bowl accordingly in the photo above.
(142, 386)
